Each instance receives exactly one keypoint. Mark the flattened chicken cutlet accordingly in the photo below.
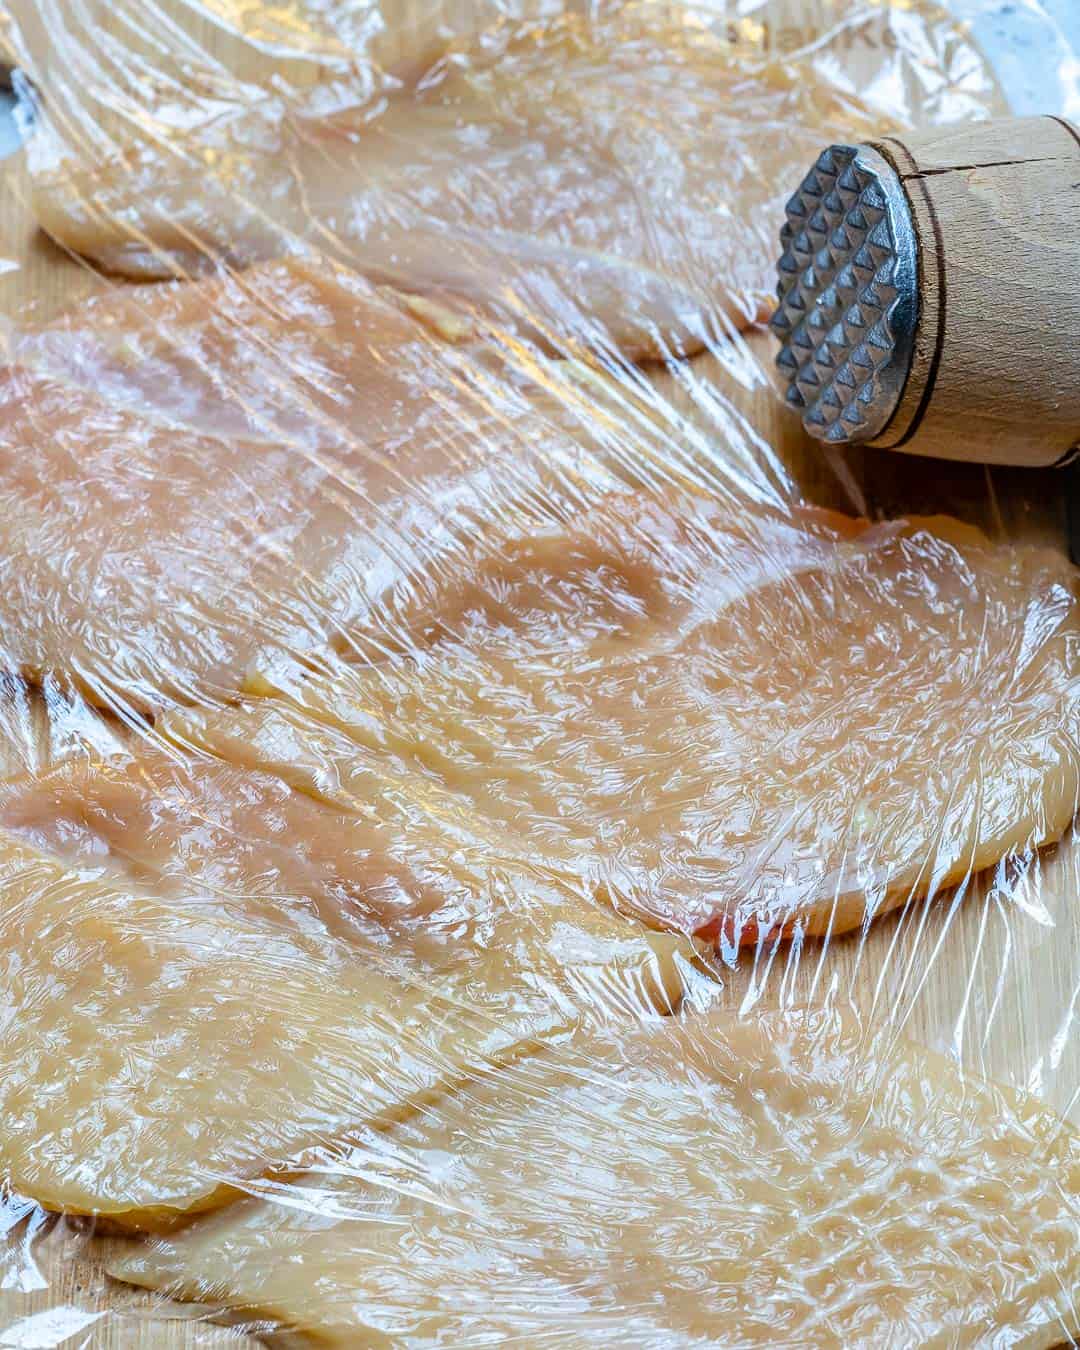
(774, 1179)
(616, 181)
(194, 476)
(206, 975)
(734, 724)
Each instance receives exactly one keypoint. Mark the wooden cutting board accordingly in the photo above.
(991, 974)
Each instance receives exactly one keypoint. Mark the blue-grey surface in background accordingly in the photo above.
(9, 136)
(1034, 46)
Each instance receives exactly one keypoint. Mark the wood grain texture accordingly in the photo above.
(996, 369)
(990, 974)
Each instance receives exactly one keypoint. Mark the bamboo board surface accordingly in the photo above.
(978, 974)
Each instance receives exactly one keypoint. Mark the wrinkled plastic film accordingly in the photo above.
(504, 840)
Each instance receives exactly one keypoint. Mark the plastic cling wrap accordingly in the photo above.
(503, 840)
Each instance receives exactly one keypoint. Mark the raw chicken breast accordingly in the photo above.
(736, 725)
(286, 351)
(617, 181)
(193, 475)
(205, 975)
(777, 1180)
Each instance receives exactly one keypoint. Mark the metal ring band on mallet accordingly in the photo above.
(929, 293)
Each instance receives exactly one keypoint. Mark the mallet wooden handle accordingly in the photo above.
(930, 293)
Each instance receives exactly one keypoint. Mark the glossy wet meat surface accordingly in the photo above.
(192, 476)
(617, 182)
(206, 974)
(772, 1179)
(738, 724)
